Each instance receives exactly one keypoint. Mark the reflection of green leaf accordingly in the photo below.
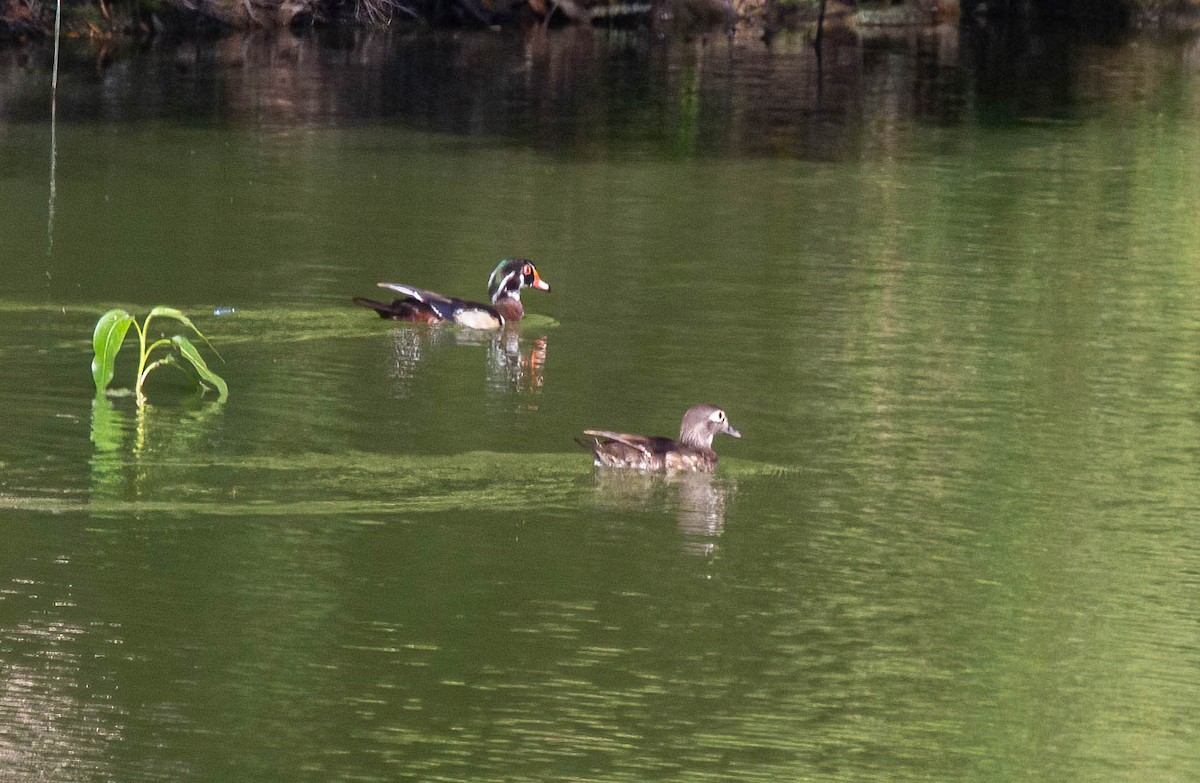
(190, 353)
(108, 433)
(106, 341)
(107, 424)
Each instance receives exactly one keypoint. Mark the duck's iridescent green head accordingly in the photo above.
(513, 274)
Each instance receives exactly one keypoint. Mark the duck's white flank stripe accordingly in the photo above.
(478, 319)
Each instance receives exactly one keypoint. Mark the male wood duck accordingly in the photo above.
(504, 288)
(693, 450)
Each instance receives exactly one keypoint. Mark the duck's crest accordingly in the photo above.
(498, 282)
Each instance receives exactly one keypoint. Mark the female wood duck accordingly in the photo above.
(693, 450)
(504, 288)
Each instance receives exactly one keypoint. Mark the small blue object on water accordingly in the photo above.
(224, 311)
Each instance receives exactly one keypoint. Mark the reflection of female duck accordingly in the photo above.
(698, 500)
(702, 501)
(693, 450)
(504, 288)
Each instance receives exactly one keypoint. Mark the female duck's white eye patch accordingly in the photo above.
(718, 416)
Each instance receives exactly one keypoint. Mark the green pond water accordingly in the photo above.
(949, 295)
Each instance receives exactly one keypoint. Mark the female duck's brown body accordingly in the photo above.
(504, 288)
(692, 452)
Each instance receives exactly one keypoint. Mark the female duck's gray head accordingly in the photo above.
(701, 422)
(513, 274)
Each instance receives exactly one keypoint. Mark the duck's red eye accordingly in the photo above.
(528, 270)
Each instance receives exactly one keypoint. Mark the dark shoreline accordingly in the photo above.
(24, 21)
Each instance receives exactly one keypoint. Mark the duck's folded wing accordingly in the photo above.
(444, 306)
(638, 442)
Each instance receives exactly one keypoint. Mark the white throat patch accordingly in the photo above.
(500, 289)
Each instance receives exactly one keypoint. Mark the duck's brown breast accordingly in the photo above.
(510, 308)
(690, 459)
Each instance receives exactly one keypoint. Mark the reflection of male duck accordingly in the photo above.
(515, 364)
(693, 450)
(409, 347)
(504, 288)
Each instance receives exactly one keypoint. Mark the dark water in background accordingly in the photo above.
(946, 285)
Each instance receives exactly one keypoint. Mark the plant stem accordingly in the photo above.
(142, 377)
(142, 354)
(143, 370)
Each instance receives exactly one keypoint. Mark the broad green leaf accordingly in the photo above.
(171, 312)
(185, 367)
(106, 341)
(208, 376)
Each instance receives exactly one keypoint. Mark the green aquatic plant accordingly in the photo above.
(109, 336)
